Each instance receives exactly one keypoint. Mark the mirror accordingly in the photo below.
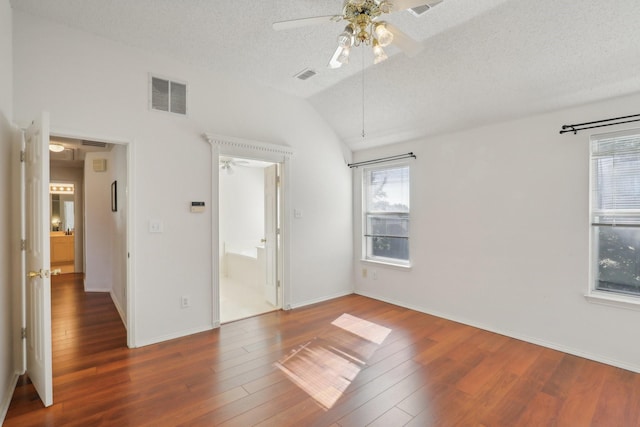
(61, 198)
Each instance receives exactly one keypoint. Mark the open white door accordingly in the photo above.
(270, 232)
(39, 367)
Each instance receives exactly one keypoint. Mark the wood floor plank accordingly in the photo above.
(393, 417)
(428, 371)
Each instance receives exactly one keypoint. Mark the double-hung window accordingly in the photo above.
(386, 213)
(615, 213)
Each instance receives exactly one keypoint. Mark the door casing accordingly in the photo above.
(237, 147)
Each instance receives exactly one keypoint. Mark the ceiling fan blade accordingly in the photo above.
(398, 5)
(408, 45)
(303, 22)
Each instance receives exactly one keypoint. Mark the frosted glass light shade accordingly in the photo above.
(384, 36)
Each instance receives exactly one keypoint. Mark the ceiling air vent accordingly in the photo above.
(305, 74)
(167, 95)
(421, 10)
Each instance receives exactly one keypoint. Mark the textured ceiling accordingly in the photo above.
(483, 60)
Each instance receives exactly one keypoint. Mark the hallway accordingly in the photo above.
(85, 330)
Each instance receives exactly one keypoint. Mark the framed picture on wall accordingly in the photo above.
(114, 196)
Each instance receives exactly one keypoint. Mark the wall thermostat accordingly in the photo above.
(197, 206)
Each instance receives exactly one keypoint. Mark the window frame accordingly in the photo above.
(594, 294)
(365, 255)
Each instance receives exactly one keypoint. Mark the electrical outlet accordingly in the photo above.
(156, 226)
(364, 273)
(185, 301)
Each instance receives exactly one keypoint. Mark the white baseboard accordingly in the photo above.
(119, 308)
(8, 395)
(511, 334)
(317, 300)
(172, 336)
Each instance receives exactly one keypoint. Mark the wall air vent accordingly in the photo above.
(167, 95)
(305, 74)
(421, 10)
(94, 144)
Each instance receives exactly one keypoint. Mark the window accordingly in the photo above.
(615, 212)
(386, 213)
(168, 96)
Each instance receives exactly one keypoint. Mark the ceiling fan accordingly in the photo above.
(228, 164)
(365, 27)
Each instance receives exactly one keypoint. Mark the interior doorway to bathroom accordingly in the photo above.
(249, 220)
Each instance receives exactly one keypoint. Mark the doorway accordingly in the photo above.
(249, 220)
(88, 231)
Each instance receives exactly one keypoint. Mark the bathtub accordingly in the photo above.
(244, 263)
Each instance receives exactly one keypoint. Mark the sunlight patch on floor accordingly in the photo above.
(325, 366)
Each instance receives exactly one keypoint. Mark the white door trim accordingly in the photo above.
(130, 195)
(238, 147)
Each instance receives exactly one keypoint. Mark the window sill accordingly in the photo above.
(403, 267)
(614, 300)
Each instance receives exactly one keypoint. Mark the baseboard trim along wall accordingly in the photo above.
(8, 395)
(510, 334)
(317, 300)
(172, 336)
(119, 309)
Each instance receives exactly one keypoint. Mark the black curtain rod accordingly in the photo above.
(382, 160)
(598, 124)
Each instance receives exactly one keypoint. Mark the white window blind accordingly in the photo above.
(386, 213)
(616, 180)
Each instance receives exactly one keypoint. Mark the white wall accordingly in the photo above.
(7, 368)
(105, 230)
(242, 206)
(500, 234)
(99, 224)
(100, 88)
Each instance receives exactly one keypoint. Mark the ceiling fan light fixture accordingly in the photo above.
(378, 53)
(343, 58)
(333, 62)
(384, 36)
(56, 148)
(345, 38)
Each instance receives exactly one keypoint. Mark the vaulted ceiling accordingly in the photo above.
(482, 60)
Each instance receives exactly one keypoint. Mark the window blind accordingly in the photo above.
(616, 180)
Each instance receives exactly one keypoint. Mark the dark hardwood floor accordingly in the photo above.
(380, 365)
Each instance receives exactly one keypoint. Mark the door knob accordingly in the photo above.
(42, 274)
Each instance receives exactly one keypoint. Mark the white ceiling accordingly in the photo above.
(483, 60)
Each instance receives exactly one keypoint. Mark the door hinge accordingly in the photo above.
(23, 156)
(23, 244)
(278, 283)
(278, 180)
(23, 333)
(278, 230)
